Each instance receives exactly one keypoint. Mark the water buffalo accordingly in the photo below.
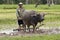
(31, 18)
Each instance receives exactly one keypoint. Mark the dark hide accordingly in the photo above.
(31, 18)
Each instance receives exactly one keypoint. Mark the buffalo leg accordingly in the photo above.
(28, 27)
(24, 28)
(24, 25)
(34, 28)
(19, 28)
(34, 25)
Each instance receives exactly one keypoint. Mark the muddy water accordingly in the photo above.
(40, 30)
(6, 31)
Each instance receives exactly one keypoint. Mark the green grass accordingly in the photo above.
(43, 7)
(43, 37)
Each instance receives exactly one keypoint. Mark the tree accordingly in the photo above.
(27, 1)
(48, 2)
(52, 2)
